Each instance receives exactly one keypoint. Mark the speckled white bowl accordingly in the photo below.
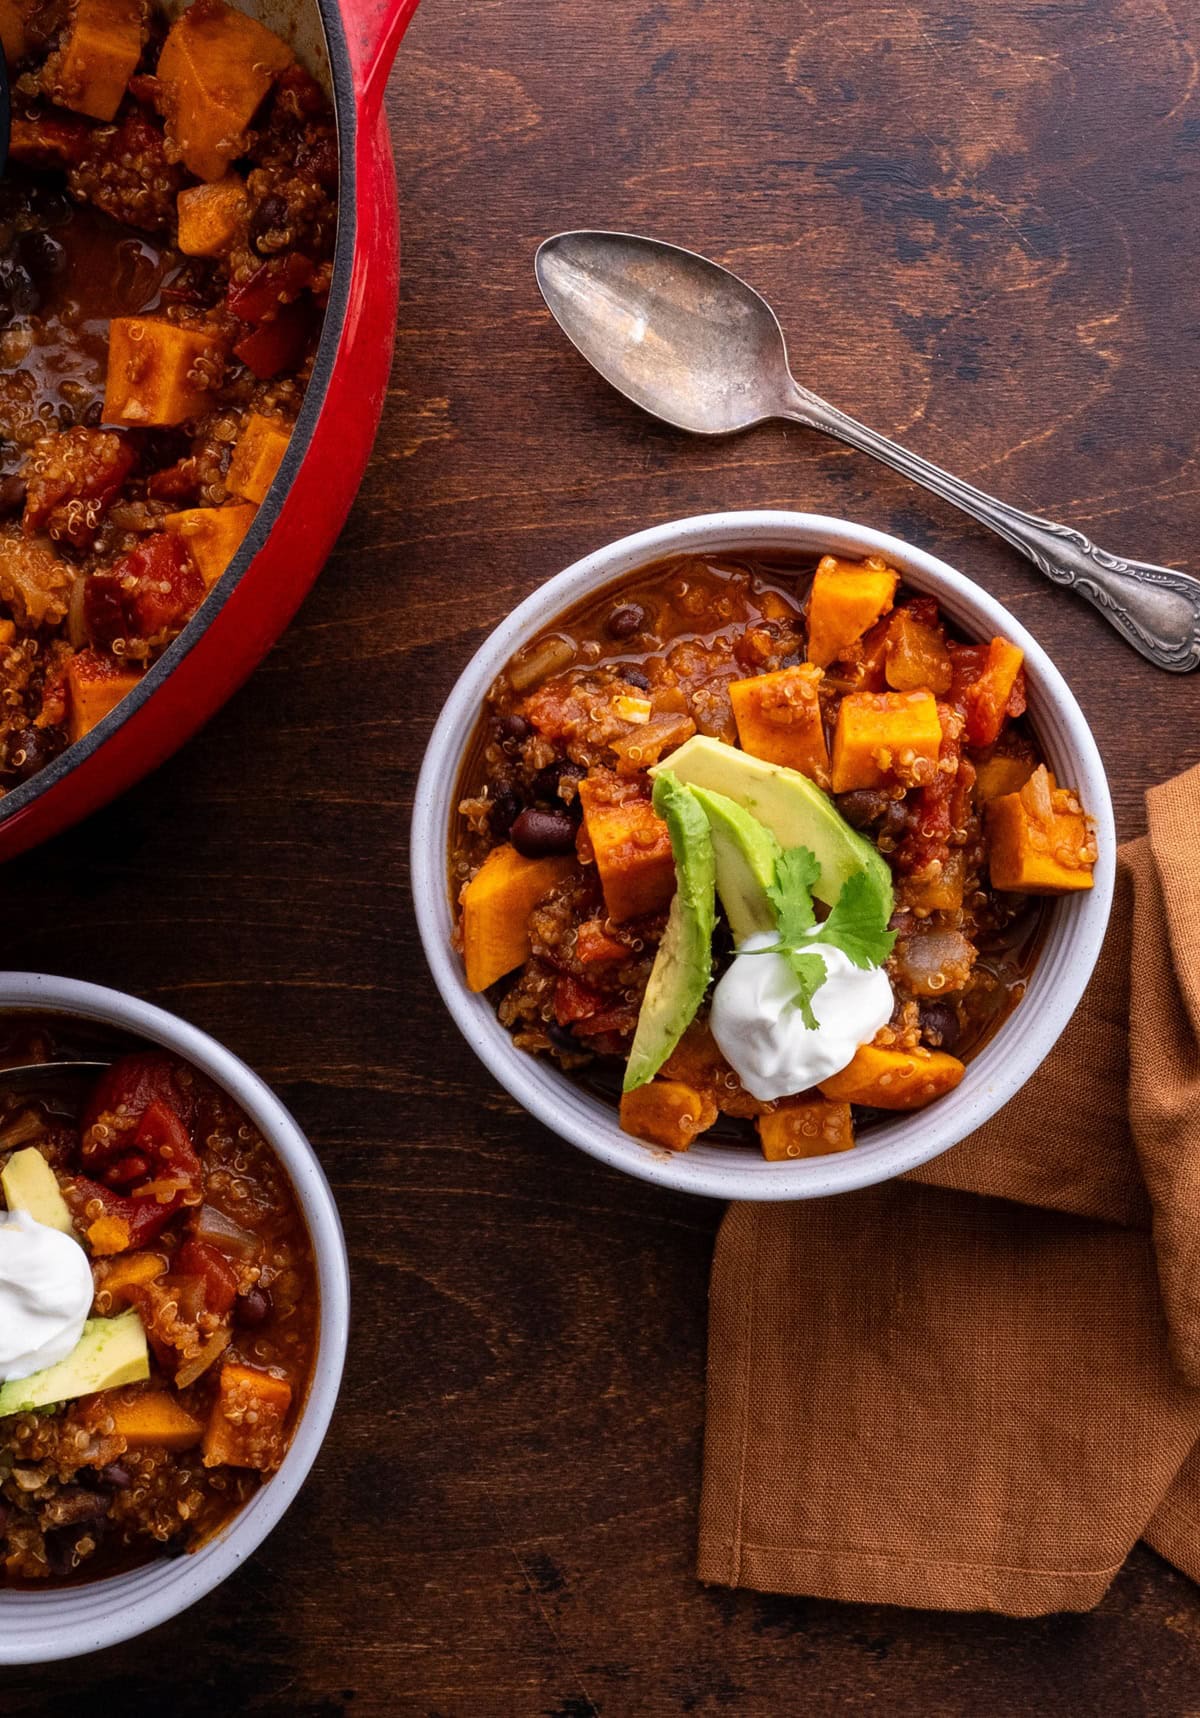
(1074, 932)
(63, 1622)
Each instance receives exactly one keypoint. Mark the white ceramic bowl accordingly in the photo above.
(1074, 932)
(63, 1622)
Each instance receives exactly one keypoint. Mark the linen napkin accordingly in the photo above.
(978, 1387)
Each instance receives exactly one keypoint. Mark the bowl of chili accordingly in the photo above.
(196, 199)
(122, 1507)
(739, 581)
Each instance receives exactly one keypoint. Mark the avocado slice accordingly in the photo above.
(746, 854)
(683, 965)
(793, 808)
(111, 1351)
(30, 1185)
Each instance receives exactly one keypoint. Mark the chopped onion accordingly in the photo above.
(221, 1231)
(213, 1348)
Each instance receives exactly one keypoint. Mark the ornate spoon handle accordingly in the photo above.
(1156, 609)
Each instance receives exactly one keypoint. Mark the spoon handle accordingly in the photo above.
(1155, 608)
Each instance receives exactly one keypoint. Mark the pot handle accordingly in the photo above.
(374, 29)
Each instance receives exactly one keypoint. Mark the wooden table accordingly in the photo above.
(978, 227)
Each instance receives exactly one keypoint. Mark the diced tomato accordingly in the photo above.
(986, 699)
(198, 1259)
(143, 1218)
(620, 1020)
(155, 587)
(277, 345)
(163, 1138)
(133, 1083)
(73, 477)
(276, 283)
(594, 947)
(574, 1001)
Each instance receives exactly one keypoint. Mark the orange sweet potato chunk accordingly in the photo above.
(916, 656)
(987, 699)
(889, 1079)
(667, 1113)
(154, 1418)
(151, 378)
(216, 66)
(496, 905)
(805, 1127)
(847, 598)
(631, 845)
(257, 456)
(1039, 841)
(129, 1272)
(1000, 775)
(778, 719)
(211, 216)
(94, 687)
(246, 1425)
(884, 737)
(13, 37)
(212, 535)
(98, 56)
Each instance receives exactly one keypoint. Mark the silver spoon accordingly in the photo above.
(33, 1076)
(691, 343)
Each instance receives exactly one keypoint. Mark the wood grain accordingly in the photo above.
(976, 222)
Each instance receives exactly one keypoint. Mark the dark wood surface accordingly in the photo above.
(977, 224)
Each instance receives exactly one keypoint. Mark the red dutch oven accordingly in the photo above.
(350, 46)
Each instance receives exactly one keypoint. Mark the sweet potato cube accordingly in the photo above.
(216, 66)
(1000, 775)
(99, 54)
(697, 1061)
(155, 1418)
(895, 1079)
(130, 1272)
(151, 381)
(1028, 856)
(246, 1426)
(13, 37)
(210, 217)
(94, 687)
(212, 535)
(631, 845)
(257, 456)
(667, 1113)
(805, 1127)
(847, 598)
(987, 698)
(916, 658)
(496, 905)
(778, 719)
(884, 737)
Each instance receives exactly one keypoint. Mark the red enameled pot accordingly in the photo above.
(350, 45)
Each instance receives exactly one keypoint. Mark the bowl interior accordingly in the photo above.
(1074, 927)
(36, 1627)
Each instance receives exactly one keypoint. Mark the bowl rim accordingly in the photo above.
(65, 1622)
(587, 1123)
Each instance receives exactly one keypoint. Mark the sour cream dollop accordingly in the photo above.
(761, 1032)
(45, 1295)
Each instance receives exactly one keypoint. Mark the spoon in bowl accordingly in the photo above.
(694, 345)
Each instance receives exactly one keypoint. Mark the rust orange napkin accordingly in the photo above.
(977, 1388)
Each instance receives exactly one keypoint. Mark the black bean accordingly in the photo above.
(12, 495)
(547, 781)
(940, 1026)
(251, 1310)
(270, 216)
(863, 807)
(514, 727)
(562, 1037)
(635, 677)
(116, 1477)
(506, 808)
(624, 621)
(43, 256)
(537, 834)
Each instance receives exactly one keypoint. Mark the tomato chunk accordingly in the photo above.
(199, 1259)
(152, 589)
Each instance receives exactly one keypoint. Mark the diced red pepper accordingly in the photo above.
(143, 1218)
(277, 345)
(276, 283)
(574, 1001)
(154, 587)
(132, 1084)
(198, 1259)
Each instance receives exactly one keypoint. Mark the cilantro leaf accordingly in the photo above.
(855, 926)
(809, 971)
(796, 870)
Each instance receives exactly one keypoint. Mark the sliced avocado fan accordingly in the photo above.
(747, 855)
(683, 965)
